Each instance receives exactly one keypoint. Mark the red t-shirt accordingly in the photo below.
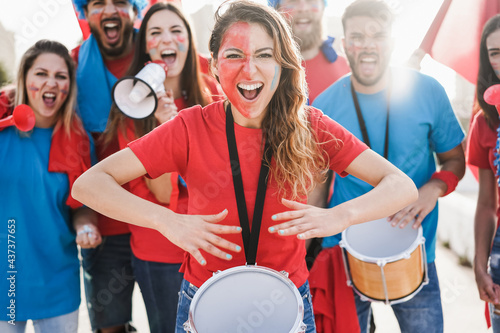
(321, 73)
(117, 67)
(194, 144)
(481, 146)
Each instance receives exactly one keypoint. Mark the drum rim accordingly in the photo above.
(414, 245)
(237, 269)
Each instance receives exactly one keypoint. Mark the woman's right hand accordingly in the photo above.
(488, 290)
(166, 109)
(193, 233)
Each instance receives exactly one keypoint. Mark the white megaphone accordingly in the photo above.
(135, 96)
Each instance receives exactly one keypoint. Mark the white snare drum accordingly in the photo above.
(246, 299)
(384, 263)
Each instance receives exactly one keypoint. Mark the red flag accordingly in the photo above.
(453, 38)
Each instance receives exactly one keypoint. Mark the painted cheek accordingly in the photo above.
(95, 16)
(229, 78)
(125, 13)
(181, 43)
(276, 77)
(65, 90)
(152, 46)
(315, 8)
(33, 89)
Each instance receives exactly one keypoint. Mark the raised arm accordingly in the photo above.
(392, 191)
(100, 189)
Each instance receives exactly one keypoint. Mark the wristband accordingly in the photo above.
(449, 178)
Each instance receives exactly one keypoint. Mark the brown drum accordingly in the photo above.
(384, 263)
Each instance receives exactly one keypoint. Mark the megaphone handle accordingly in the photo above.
(9, 121)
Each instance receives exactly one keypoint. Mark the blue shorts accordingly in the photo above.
(109, 282)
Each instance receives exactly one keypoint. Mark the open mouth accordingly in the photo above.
(112, 31)
(49, 99)
(169, 57)
(250, 91)
(302, 23)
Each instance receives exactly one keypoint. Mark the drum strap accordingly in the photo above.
(362, 124)
(250, 238)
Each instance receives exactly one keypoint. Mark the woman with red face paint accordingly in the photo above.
(483, 151)
(263, 123)
(40, 220)
(165, 37)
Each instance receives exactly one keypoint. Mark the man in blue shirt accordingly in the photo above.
(409, 120)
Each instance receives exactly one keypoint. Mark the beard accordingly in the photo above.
(120, 48)
(312, 39)
(368, 82)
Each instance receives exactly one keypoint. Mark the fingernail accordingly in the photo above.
(203, 262)
(271, 229)
(274, 217)
(282, 232)
(300, 236)
(238, 248)
(238, 228)
(228, 256)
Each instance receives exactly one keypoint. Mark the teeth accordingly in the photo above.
(168, 52)
(250, 86)
(368, 59)
(303, 21)
(110, 25)
(49, 95)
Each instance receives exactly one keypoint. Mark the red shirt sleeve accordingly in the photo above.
(480, 143)
(340, 146)
(168, 143)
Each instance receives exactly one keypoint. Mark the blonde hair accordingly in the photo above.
(300, 162)
(66, 114)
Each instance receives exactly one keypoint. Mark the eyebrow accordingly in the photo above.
(46, 70)
(257, 51)
(494, 49)
(172, 27)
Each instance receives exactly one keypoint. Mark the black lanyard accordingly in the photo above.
(250, 238)
(362, 124)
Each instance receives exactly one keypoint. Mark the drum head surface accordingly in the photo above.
(379, 240)
(246, 300)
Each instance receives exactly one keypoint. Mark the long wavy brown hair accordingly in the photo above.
(192, 83)
(300, 163)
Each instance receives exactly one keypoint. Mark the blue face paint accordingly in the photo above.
(181, 47)
(275, 78)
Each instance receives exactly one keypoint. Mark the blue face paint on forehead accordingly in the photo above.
(275, 3)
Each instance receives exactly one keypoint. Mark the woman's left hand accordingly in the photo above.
(306, 221)
(166, 109)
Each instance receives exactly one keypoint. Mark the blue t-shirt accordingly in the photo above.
(421, 123)
(42, 274)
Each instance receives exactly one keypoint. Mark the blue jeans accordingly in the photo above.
(160, 284)
(188, 290)
(495, 275)
(109, 282)
(422, 313)
(67, 323)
